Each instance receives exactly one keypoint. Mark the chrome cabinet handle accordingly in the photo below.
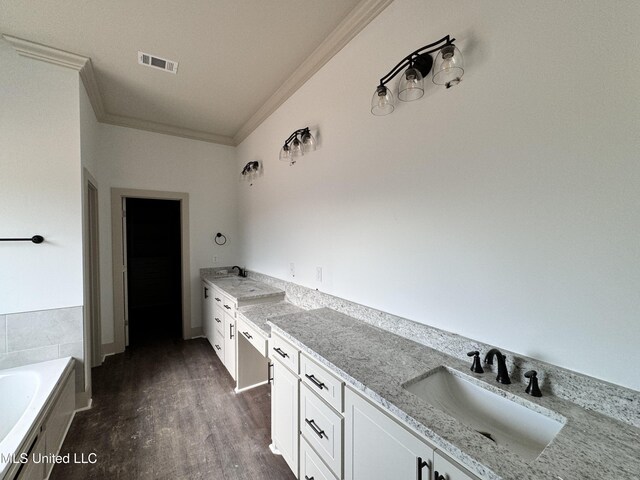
(227, 306)
(230, 332)
(206, 292)
(218, 347)
(217, 319)
(247, 334)
(217, 299)
(316, 429)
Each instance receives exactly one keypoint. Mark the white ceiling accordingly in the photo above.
(233, 54)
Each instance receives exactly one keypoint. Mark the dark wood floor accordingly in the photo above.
(167, 410)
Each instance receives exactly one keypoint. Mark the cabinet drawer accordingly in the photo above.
(311, 466)
(448, 469)
(229, 305)
(218, 345)
(252, 335)
(322, 428)
(284, 352)
(323, 383)
(217, 297)
(218, 319)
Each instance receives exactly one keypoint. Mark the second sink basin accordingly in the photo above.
(499, 419)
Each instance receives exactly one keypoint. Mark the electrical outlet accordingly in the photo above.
(292, 269)
(319, 274)
(215, 259)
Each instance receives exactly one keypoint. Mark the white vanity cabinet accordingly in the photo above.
(378, 448)
(445, 469)
(285, 392)
(207, 311)
(229, 333)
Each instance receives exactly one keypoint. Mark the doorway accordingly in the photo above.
(153, 270)
(151, 279)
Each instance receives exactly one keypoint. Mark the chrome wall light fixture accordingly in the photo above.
(251, 171)
(299, 142)
(448, 69)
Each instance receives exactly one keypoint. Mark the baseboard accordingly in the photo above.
(274, 450)
(108, 349)
(83, 401)
(196, 332)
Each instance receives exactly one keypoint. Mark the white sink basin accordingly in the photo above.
(507, 423)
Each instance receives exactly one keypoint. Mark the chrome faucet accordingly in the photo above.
(503, 375)
(241, 271)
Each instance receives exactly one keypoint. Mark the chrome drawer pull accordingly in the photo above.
(217, 319)
(247, 334)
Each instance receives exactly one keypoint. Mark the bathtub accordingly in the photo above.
(26, 396)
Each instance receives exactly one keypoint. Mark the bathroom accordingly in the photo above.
(499, 213)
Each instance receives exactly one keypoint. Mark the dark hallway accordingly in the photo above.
(154, 270)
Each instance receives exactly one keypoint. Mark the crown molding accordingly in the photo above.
(47, 54)
(131, 122)
(350, 26)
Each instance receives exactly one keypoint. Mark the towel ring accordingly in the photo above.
(219, 235)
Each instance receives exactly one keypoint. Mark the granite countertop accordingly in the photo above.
(377, 363)
(257, 315)
(242, 288)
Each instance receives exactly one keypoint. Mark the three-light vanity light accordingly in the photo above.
(448, 69)
(299, 142)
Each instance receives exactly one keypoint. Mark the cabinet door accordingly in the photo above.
(284, 414)
(230, 344)
(206, 309)
(378, 448)
(445, 469)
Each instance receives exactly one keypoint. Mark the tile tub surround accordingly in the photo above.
(258, 315)
(613, 400)
(32, 337)
(590, 444)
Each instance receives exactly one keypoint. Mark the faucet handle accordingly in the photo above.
(476, 367)
(532, 389)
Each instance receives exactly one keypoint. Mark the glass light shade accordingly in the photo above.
(296, 148)
(285, 154)
(308, 142)
(382, 102)
(411, 86)
(449, 67)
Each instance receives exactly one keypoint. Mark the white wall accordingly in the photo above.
(89, 134)
(39, 185)
(137, 159)
(506, 209)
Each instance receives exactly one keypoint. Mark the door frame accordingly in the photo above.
(117, 249)
(92, 339)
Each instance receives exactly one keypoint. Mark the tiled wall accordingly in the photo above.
(32, 337)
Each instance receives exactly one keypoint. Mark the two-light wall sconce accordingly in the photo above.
(251, 171)
(448, 69)
(299, 142)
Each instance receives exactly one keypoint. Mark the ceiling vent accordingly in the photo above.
(157, 62)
